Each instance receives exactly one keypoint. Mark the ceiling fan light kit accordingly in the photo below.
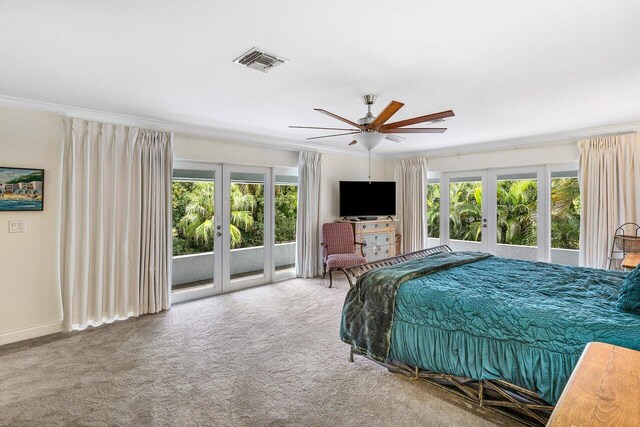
(370, 130)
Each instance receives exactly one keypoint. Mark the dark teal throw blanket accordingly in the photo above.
(367, 315)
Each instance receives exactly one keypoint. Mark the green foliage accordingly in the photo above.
(465, 212)
(193, 215)
(565, 213)
(516, 208)
(433, 211)
(518, 212)
(286, 213)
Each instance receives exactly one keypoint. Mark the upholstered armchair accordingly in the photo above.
(339, 247)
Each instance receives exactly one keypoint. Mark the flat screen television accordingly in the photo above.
(364, 198)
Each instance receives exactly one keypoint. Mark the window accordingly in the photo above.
(517, 209)
(465, 209)
(565, 217)
(192, 214)
(286, 208)
(286, 214)
(433, 208)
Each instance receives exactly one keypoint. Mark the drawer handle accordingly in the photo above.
(364, 225)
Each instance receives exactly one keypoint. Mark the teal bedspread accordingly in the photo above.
(524, 322)
(367, 314)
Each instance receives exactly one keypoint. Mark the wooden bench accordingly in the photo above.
(604, 389)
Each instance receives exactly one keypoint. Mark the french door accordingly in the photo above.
(223, 227)
(247, 207)
(463, 202)
(501, 211)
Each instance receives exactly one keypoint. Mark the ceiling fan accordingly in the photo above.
(371, 130)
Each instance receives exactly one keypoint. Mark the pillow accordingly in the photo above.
(629, 298)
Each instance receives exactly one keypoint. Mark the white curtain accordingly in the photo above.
(410, 176)
(116, 224)
(610, 193)
(308, 223)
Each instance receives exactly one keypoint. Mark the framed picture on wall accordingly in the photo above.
(21, 189)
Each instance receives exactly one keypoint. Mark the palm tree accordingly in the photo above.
(198, 220)
(465, 213)
(517, 211)
(565, 213)
(433, 210)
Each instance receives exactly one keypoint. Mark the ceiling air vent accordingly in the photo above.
(259, 60)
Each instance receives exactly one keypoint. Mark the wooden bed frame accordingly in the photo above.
(515, 402)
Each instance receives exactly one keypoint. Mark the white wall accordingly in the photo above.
(512, 157)
(29, 281)
(208, 150)
(339, 167)
(30, 302)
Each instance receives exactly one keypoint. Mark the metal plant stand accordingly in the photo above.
(624, 244)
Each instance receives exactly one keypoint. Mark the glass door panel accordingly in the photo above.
(565, 217)
(196, 269)
(285, 217)
(517, 215)
(465, 207)
(247, 232)
(433, 212)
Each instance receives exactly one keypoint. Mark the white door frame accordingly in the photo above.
(278, 171)
(229, 285)
(217, 286)
(543, 176)
(445, 178)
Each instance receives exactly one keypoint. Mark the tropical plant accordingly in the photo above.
(465, 212)
(193, 215)
(433, 210)
(517, 206)
(197, 222)
(516, 212)
(565, 213)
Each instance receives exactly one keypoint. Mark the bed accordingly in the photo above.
(505, 333)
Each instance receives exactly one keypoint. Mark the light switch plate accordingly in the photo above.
(17, 226)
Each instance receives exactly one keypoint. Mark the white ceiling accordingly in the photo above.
(509, 69)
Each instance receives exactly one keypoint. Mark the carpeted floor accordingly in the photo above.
(267, 356)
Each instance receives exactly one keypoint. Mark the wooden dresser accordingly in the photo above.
(378, 238)
(604, 389)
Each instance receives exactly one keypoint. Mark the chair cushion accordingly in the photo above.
(344, 260)
(338, 238)
(629, 297)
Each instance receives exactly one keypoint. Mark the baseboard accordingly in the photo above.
(31, 332)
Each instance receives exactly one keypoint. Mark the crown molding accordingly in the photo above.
(541, 140)
(258, 140)
(187, 129)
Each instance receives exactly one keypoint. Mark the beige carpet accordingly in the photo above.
(267, 356)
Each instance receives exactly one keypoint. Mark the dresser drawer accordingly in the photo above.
(372, 227)
(375, 253)
(376, 239)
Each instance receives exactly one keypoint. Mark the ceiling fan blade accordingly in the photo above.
(354, 142)
(335, 116)
(394, 138)
(315, 127)
(385, 114)
(413, 130)
(331, 136)
(421, 119)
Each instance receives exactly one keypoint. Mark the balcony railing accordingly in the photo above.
(530, 253)
(198, 268)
